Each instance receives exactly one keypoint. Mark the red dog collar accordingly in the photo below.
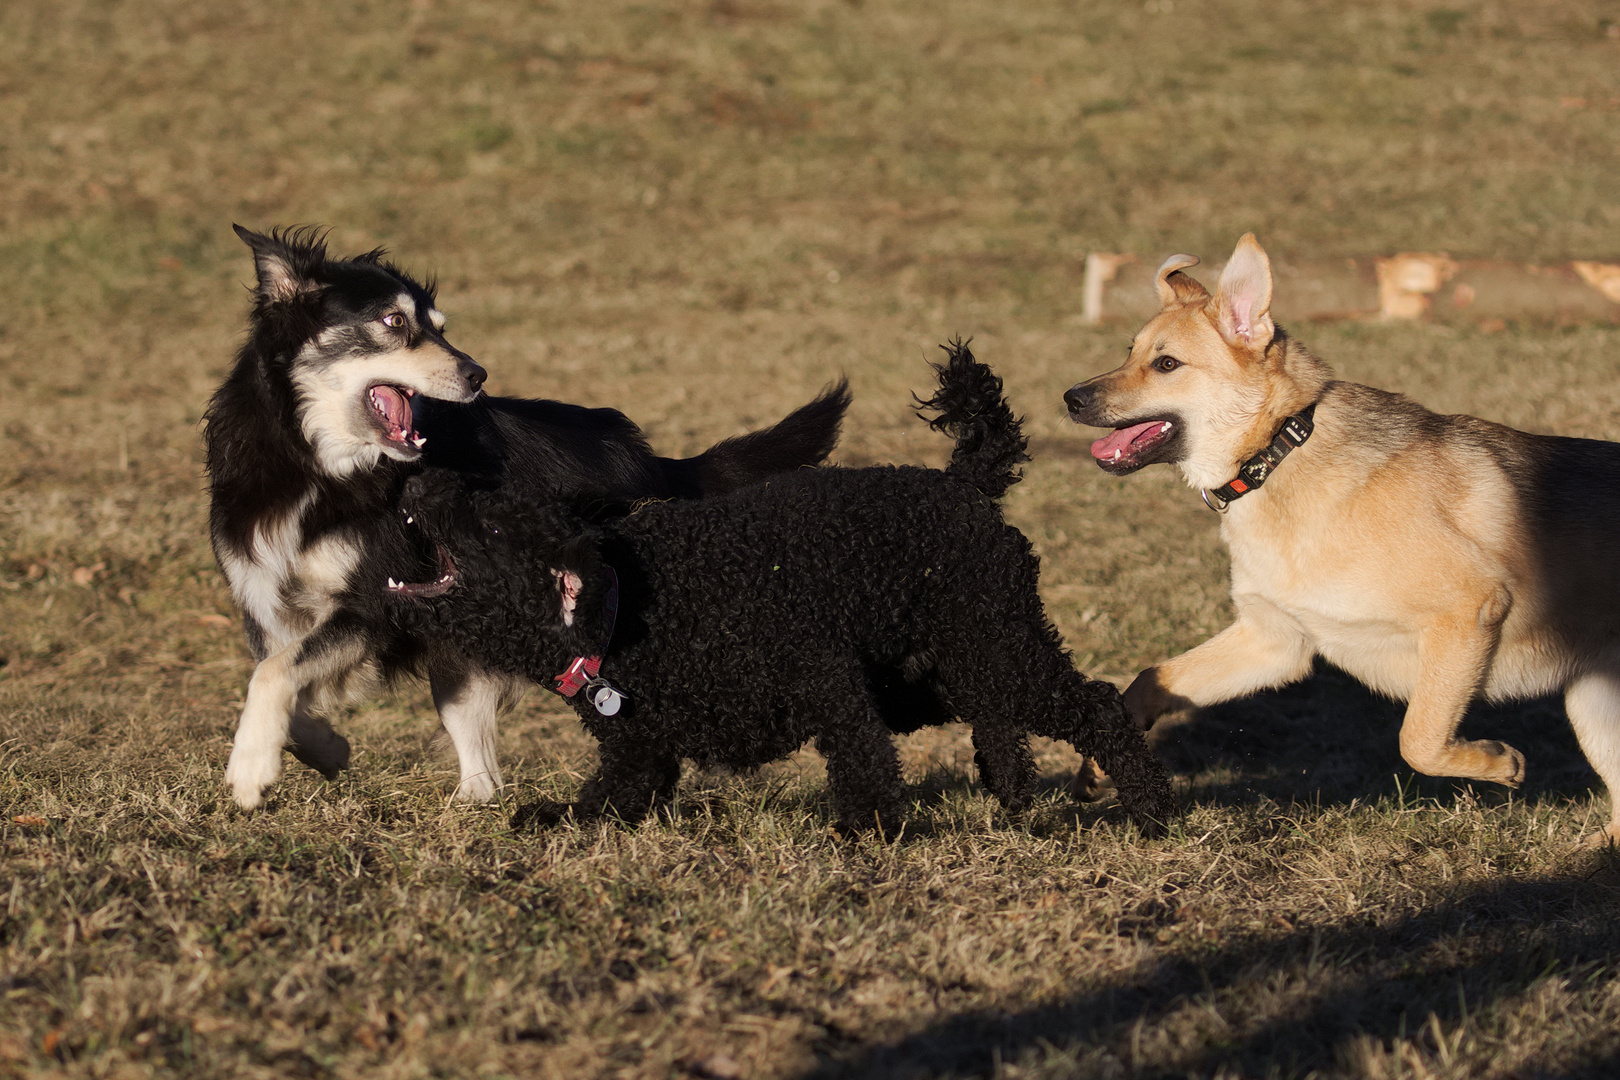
(585, 671)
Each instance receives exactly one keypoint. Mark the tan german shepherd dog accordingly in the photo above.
(1435, 558)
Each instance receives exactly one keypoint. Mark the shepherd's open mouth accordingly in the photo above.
(437, 587)
(1131, 447)
(391, 405)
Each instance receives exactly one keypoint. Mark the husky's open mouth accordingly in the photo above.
(427, 589)
(1131, 447)
(391, 405)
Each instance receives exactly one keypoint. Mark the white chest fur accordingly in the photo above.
(286, 586)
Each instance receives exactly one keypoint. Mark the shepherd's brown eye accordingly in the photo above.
(394, 320)
(1166, 363)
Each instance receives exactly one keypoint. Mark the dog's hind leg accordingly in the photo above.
(1022, 681)
(469, 703)
(1592, 700)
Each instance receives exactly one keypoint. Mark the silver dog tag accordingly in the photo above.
(606, 699)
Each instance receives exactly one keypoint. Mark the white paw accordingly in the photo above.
(478, 788)
(249, 772)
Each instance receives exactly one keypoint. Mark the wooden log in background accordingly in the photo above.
(1410, 285)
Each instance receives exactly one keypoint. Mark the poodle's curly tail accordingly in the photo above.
(990, 441)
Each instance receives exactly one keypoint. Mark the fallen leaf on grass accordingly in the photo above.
(206, 1025)
(717, 1067)
(84, 575)
(30, 819)
(220, 622)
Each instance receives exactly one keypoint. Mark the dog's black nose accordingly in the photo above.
(473, 373)
(1079, 397)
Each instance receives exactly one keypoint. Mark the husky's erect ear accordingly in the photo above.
(283, 261)
(1243, 298)
(1176, 287)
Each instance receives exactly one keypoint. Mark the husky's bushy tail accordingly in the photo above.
(990, 441)
(804, 437)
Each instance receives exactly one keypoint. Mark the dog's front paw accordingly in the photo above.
(479, 789)
(1147, 699)
(535, 816)
(1513, 765)
(885, 824)
(315, 744)
(1608, 837)
(1090, 782)
(249, 773)
(1487, 759)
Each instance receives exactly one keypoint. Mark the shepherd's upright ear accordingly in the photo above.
(1243, 298)
(282, 261)
(1176, 287)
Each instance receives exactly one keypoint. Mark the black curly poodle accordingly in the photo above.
(735, 629)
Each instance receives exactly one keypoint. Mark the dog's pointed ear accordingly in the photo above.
(1176, 287)
(1243, 298)
(281, 261)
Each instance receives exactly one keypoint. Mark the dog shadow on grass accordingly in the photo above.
(1338, 999)
(1329, 739)
(1341, 998)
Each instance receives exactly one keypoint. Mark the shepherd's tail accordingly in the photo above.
(990, 440)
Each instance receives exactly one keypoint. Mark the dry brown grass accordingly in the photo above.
(701, 213)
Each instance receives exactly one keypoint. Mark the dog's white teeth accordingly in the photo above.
(1164, 427)
(1116, 455)
(419, 442)
(392, 584)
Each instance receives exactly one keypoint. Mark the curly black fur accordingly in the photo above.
(990, 443)
(751, 623)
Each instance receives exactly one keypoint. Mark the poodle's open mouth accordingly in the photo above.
(391, 405)
(1131, 447)
(428, 589)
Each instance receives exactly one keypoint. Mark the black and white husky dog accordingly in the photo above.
(344, 388)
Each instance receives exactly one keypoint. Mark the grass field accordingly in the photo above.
(701, 213)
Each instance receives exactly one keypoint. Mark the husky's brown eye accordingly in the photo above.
(394, 321)
(1166, 363)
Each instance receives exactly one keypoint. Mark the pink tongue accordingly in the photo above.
(396, 409)
(1103, 449)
